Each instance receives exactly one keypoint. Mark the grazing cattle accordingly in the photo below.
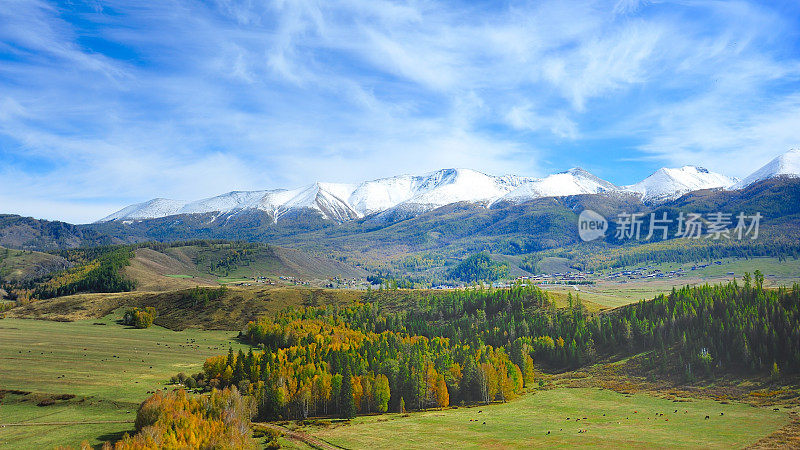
(721, 414)
(548, 431)
(706, 417)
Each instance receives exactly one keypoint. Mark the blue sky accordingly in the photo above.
(107, 103)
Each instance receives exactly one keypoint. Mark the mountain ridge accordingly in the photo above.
(404, 196)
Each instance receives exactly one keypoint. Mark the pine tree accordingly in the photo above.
(231, 362)
(346, 403)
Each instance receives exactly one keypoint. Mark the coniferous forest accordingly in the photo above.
(480, 346)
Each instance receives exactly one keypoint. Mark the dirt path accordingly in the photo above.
(300, 436)
(36, 424)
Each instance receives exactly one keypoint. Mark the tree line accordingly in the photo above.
(479, 345)
(317, 361)
(100, 274)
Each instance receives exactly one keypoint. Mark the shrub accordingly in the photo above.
(139, 318)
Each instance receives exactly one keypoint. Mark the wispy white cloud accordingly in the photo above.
(629, 6)
(102, 104)
(523, 117)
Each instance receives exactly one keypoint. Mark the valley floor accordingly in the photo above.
(564, 417)
(107, 367)
(64, 382)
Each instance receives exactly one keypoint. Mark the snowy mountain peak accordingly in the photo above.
(157, 207)
(408, 195)
(787, 164)
(668, 184)
(330, 199)
(431, 190)
(574, 181)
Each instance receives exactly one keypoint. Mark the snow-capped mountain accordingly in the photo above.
(330, 199)
(323, 197)
(408, 195)
(787, 164)
(432, 190)
(668, 184)
(572, 182)
(344, 202)
(232, 201)
(157, 207)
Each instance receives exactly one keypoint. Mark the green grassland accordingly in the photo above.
(229, 280)
(110, 366)
(100, 420)
(610, 420)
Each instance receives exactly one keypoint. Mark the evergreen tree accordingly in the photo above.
(346, 403)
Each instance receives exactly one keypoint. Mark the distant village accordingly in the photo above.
(569, 278)
(332, 282)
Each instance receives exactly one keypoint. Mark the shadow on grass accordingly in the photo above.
(113, 437)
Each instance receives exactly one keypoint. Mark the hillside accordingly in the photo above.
(44, 235)
(459, 228)
(157, 271)
(232, 310)
(165, 267)
(20, 266)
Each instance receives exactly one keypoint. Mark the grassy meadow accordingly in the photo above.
(572, 416)
(64, 422)
(81, 375)
(108, 367)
